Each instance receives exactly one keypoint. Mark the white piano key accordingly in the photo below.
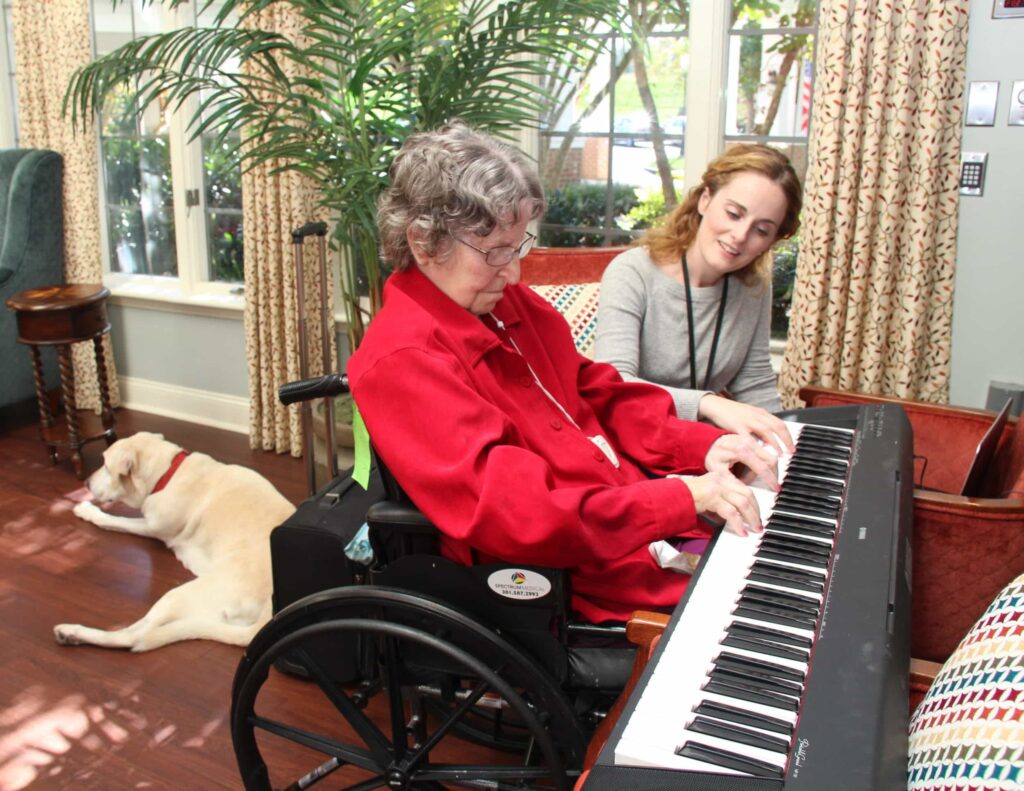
(657, 725)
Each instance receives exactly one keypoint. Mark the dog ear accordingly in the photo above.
(119, 460)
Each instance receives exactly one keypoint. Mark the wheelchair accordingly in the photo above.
(457, 685)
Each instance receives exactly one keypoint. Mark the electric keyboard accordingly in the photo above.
(786, 663)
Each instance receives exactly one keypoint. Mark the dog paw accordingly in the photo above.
(67, 634)
(86, 510)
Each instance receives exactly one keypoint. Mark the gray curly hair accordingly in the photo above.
(452, 180)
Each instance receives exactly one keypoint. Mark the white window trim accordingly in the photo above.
(7, 136)
(705, 86)
(189, 292)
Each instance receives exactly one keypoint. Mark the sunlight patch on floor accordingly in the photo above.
(34, 737)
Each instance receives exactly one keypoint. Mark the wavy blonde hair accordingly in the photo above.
(674, 234)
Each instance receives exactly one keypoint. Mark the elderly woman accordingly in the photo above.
(515, 446)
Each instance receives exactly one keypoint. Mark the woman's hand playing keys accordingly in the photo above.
(722, 494)
(746, 457)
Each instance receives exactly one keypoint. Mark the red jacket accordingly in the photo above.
(457, 416)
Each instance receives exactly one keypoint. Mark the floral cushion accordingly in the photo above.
(968, 732)
(578, 303)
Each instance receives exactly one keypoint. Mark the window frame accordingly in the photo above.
(191, 288)
(9, 123)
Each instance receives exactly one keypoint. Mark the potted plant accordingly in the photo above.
(335, 100)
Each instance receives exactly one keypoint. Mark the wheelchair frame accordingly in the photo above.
(445, 662)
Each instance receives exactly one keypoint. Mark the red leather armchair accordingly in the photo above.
(965, 549)
(564, 265)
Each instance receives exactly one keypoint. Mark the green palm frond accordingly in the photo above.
(335, 100)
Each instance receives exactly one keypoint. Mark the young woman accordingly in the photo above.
(514, 445)
(689, 307)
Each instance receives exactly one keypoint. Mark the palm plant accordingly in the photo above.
(336, 100)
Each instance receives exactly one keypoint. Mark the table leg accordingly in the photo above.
(101, 372)
(45, 418)
(67, 386)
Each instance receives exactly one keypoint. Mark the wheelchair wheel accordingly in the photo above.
(382, 733)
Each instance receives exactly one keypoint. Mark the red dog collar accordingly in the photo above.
(166, 477)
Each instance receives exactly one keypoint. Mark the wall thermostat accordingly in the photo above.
(1007, 9)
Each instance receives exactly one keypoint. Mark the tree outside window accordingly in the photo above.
(191, 231)
(613, 153)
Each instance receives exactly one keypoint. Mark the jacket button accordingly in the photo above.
(598, 455)
(555, 424)
(526, 381)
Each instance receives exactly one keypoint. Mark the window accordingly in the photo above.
(172, 206)
(8, 89)
(678, 84)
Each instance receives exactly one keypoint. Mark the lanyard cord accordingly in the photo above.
(689, 324)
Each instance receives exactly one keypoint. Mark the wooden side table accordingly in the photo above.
(61, 316)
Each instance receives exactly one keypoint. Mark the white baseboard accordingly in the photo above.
(185, 403)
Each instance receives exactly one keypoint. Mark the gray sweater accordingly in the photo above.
(642, 331)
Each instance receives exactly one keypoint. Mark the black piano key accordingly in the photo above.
(734, 733)
(754, 683)
(761, 612)
(797, 609)
(830, 490)
(798, 544)
(804, 524)
(766, 633)
(788, 556)
(838, 435)
(767, 647)
(786, 503)
(780, 528)
(820, 451)
(723, 711)
(811, 605)
(786, 581)
(808, 503)
(824, 441)
(818, 467)
(818, 448)
(739, 763)
(759, 666)
(744, 692)
(797, 578)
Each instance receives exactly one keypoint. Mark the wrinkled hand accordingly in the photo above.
(722, 494)
(746, 419)
(744, 456)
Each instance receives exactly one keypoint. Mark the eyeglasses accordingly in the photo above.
(502, 256)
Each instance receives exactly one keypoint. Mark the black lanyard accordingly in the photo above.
(689, 324)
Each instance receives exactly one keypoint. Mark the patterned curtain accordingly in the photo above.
(272, 206)
(872, 309)
(51, 40)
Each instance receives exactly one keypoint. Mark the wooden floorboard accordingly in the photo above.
(91, 718)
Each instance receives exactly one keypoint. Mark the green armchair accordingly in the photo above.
(31, 254)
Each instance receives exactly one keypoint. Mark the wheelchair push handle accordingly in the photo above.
(316, 387)
(309, 229)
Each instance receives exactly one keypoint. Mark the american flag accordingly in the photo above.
(805, 96)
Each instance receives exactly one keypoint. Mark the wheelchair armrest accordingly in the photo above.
(316, 387)
(399, 528)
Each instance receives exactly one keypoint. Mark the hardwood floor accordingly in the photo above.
(92, 718)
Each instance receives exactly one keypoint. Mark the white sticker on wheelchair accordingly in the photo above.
(519, 584)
